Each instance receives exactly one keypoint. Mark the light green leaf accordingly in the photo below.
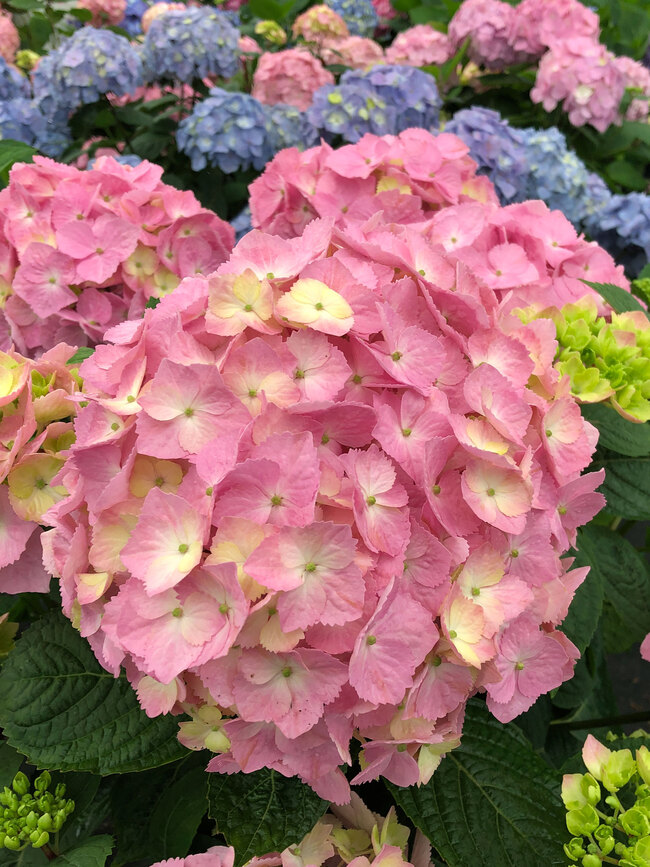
(80, 355)
(617, 433)
(92, 853)
(262, 812)
(491, 802)
(61, 709)
(13, 152)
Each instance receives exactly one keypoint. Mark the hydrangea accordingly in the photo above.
(497, 148)
(419, 46)
(182, 45)
(384, 99)
(637, 80)
(77, 258)
(487, 23)
(541, 24)
(359, 15)
(355, 52)
(583, 76)
(157, 9)
(105, 12)
(622, 226)
(289, 127)
(12, 83)
(228, 130)
(21, 119)
(242, 223)
(86, 65)
(132, 21)
(291, 76)
(319, 23)
(9, 38)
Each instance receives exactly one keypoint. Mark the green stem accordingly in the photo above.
(641, 716)
(615, 523)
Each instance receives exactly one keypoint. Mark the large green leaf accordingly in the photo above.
(617, 433)
(10, 762)
(13, 152)
(586, 607)
(626, 581)
(491, 802)
(626, 485)
(617, 298)
(263, 811)
(63, 711)
(91, 853)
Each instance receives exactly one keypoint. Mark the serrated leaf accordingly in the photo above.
(618, 299)
(493, 801)
(617, 433)
(91, 853)
(625, 577)
(586, 607)
(262, 812)
(626, 485)
(62, 710)
(80, 355)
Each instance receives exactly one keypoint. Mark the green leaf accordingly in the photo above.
(625, 577)
(10, 762)
(269, 10)
(626, 174)
(149, 145)
(61, 709)
(13, 152)
(83, 15)
(80, 355)
(584, 612)
(152, 303)
(26, 5)
(617, 433)
(262, 812)
(493, 801)
(617, 298)
(92, 853)
(91, 796)
(626, 485)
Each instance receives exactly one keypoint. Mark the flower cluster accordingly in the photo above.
(540, 24)
(498, 149)
(487, 24)
(132, 21)
(625, 830)
(36, 410)
(105, 12)
(9, 38)
(318, 24)
(360, 16)
(228, 130)
(622, 225)
(288, 127)
(606, 360)
(86, 65)
(637, 81)
(419, 46)
(195, 42)
(291, 77)
(22, 120)
(28, 818)
(84, 250)
(12, 83)
(385, 99)
(325, 491)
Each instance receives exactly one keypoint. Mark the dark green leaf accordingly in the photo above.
(13, 152)
(617, 298)
(10, 762)
(625, 578)
(80, 355)
(91, 853)
(26, 5)
(262, 812)
(626, 485)
(584, 612)
(491, 802)
(61, 709)
(149, 145)
(83, 15)
(626, 174)
(91, 796)
(152, 303)
(178, 813)
(617, 433)
(266, 9)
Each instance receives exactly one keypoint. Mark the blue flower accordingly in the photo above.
(622, 226)
(21, 120)
(383, 100)
(242, 223)
(132, 21)
(497, 148)
(228, 130)
(182, 45)
(86, 65)
(288, 127)
(12, 82)
(359, 15)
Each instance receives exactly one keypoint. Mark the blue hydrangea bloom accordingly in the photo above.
(86, 65)
(182, 45)
(622, 226)
(12, 82)
(497, 148)
(359, 15)
(132, 21)
(597, 196)
(383, 100)
(242, 223)
(228, 130)
(21, 120)
(125, 160)
(288, 127)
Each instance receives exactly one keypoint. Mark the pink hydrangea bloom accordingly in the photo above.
(384, 9)
(216, 856)
(582, 76)
(419, 46)
(637, 78)
(357, 52)
(487, 23)
(319, 23)
(541, 24)
(9, 38)
(104, 11)
(325, 491)
(291, 76)
(158, 9)
(645, 648)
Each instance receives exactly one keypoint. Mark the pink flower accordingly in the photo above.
(645, 648)
(9, 37)
(487, 23)
(290, 76)
(541, 24)
(419, 46)
(215, 856)
(105, 12)
(501, 497)
(99, 247)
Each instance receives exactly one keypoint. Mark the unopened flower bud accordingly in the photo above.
(591, 861)
(12, 843)
(42, 782)
(574, 848)
(271, 31)
(39, 838)
(643, 764)
(20, 784)
(605, 838)
(31, 820)
(45, 822)
(635, 822)
(618, 770)
(582, 821)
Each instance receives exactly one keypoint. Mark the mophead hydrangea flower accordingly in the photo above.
(195, 42)
(82, 250)
(540, 24)
(487, 24)
(622, 225)
(9, 38)
(355, 52)
(360, 16)
(421, 45)
(228, 130)
(22, 120)
(288, 127)
(105, 12)
(327, 491)
(319, 23)
(13, 84)
(637, 82)
(86, 65)
(291, 76)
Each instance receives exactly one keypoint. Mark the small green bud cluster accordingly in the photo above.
(610, 826)
(29, 818)
(605, 360)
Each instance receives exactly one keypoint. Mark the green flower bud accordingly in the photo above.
(31, 820)
(643, 764)
(591, 861)
(613, 802)
(574, 848)
(642, 850)
(42, 782)
(39, 838)
(271, 31)
(12, 843)
(20, 784)
(59, 792)
(45, 822)
(578, 790)
(604, 836)
(583, 821)
(635, 822)
(618, 769)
